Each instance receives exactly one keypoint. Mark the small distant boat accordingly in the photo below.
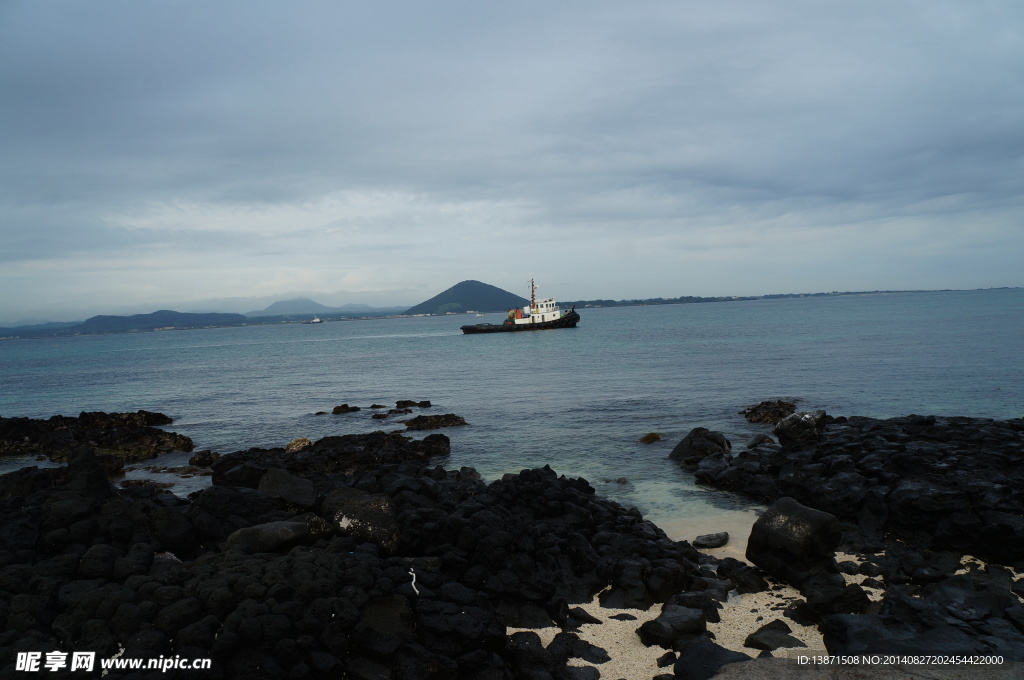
(315, 319)
(543, 314)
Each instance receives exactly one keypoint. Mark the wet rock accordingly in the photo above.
(344, 408)
(798, 428)
(204, 458)
(710, 541)
(650, 438)
(436, 445)
(434, 422)
(409, 403)
(758, 440)
(770, 412)
(697, 444)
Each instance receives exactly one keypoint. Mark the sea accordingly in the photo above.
(578, 400)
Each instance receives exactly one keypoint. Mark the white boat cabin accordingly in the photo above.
(543, 310)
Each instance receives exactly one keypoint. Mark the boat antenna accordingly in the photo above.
(533, 296)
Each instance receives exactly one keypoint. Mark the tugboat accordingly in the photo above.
(541, 315)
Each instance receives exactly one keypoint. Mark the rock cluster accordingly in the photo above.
(939, 483)
(125, 436)
(919, 492)
(352, 556)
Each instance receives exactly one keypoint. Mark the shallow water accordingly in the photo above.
(578, 400)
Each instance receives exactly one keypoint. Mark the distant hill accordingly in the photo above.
(125, 324)
(296, 306)
(469, 296)
(164, 318)
(307, 307)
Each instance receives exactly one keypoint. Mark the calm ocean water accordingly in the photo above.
(578, 400)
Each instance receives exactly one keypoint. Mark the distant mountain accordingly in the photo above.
(306, 307)
(296, 306)
(469, 296)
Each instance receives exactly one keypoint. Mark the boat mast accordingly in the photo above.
(533, 297)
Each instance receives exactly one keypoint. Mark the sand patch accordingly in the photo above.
(630, 659)
(737, 523)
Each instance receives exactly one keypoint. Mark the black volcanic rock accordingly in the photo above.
(330, 455)
(939, 483)
(771, 636)
(434, 422)
(128, 436)
(792, 542)
(270, 587)
(469, 296)
(698, 444)
(267, 587)
(797, 428)
(701, 660)
(710, 541)
(770, 412)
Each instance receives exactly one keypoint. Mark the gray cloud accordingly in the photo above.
(395, 148)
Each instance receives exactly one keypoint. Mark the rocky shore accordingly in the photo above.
(359, 556)
(916, 498)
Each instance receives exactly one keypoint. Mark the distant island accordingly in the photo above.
(687, 299)
(469, 297)
(466, 297)
(305, 306)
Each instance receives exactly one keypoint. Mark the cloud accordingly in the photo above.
(400, 146)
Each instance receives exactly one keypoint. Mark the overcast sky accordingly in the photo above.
(224, 155)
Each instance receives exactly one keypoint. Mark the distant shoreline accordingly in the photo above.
(186, 321)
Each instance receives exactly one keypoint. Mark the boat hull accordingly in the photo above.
(568, 321)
